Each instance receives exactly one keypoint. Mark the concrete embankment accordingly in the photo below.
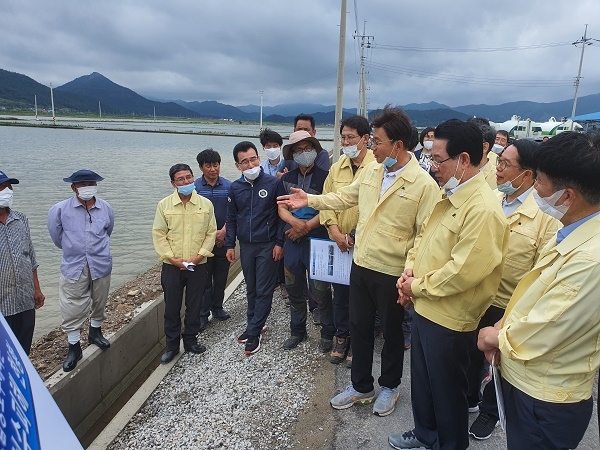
(101, 377)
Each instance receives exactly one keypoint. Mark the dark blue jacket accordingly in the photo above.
(252, 211)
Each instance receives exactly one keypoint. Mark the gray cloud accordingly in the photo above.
(230, 50)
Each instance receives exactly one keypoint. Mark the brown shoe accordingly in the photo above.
(340, 350)
(349, 358)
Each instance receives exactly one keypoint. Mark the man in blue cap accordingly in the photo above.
(20, 293)
(81, 226)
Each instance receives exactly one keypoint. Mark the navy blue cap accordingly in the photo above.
(83, 175)
(4, 178)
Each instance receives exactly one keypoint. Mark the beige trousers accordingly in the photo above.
(82, 298)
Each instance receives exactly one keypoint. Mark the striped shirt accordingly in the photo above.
(17, 262)
(217, 194)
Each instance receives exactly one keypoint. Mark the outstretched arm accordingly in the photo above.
(297, 199)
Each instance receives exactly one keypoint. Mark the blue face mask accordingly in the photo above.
(186, 190)
(507, 188)
(389, 161)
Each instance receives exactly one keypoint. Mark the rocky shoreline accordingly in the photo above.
(48, 352)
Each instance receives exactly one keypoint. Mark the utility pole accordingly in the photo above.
(339, 102)
(366, 42)
(261, 107)
(52, 100)
(100, 109)
(583, 41)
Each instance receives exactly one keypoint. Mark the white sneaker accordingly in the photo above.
(349, 397)
(386, 402)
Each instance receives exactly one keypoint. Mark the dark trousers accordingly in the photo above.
(407, 324)
(478, 366)
(217, 269)
(372, 292)
(280, 272)
(533, 424)
(297, 256)
(439, 362)
(173, 282)
(260, 274)
(22, 325)
(341, 309)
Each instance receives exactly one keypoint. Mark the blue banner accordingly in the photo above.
(18, 425)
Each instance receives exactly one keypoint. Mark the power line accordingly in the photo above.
(469, 79)
(402, 48)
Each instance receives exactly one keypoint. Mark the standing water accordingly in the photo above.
(135, 168)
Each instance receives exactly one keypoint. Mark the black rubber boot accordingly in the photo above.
(95, 337)
(73, 356)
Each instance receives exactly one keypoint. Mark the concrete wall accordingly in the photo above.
(84, 394)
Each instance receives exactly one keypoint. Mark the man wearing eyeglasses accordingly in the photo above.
(252, 219)
(547, 340)
(355, 134)
(530, 230)
(301, 225)
(394, 197)
(451, 276)
(183, 234)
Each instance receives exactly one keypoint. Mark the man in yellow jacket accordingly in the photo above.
(183, 234)
(341, 225)
(451, 276)
(394, 196)
(548, 337)
(530, 231)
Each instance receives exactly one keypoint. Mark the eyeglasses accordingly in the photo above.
(348, 137)
(248, 161)
(303, 149)
(377, 142)
(437, 165)
(503, 164)
(183, 179)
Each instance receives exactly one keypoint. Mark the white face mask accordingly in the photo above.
(428, 145)
(351, 151)
(508, 188)
(86, 193)
(252, 173)
(497, 149)
(548, 204)
(453, 182)
(6, 198)
(273, 153)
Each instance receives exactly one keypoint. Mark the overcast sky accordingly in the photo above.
(229, 50)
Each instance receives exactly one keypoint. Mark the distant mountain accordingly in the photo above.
(425, 118)
(424, 106)
(216, 110)
(539, 112)
(290, 109)
(19, 91)
(433, 117)
(116, 99)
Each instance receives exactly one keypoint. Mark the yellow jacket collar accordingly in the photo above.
(464, 193)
